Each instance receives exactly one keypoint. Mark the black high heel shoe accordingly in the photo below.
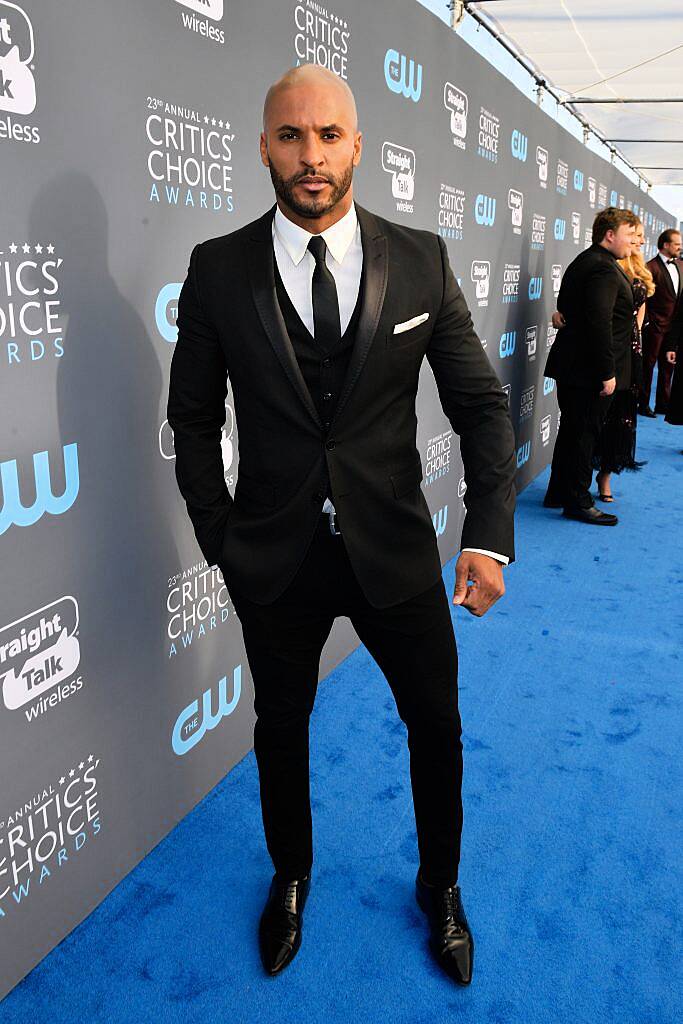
(607, 498)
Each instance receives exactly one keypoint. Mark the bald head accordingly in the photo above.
(315, 79)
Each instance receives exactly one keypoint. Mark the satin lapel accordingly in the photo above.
(260, 257)
(664, 272)
(376, 268)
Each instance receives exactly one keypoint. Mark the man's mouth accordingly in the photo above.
(313, 184)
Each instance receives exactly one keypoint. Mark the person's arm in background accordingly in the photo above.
(196, 414)
(477, 408)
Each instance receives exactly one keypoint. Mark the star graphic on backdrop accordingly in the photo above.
(13, 247)
(220, 124)
(71, 773)
(26, 247)
(81, 765)
(213, 122)
(206, 119)
(90, 758)
(50, 248)
(62, 781)
(38, 248)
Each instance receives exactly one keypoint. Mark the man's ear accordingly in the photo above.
(263, 147)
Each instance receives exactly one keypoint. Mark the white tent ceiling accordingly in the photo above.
(599, 56)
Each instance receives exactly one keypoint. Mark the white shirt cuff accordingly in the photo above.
(492, 554)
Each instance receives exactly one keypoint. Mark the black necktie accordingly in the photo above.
(326, 323)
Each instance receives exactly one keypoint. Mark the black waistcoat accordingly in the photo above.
(324, 373)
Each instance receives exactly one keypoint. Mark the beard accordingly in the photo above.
(314, 206)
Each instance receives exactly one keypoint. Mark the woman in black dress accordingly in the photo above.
(674, 410)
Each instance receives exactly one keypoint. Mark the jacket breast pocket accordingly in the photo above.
(411, 339)
(253, 492)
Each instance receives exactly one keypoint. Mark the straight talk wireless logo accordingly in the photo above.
(209, 11)
(17, 79)
(39, 658)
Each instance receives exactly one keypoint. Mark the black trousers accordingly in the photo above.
(583, 413)
(413, 644)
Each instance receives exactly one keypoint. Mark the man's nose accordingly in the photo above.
(311, 151)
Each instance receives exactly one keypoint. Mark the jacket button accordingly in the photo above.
(330, 444)
(327, 361)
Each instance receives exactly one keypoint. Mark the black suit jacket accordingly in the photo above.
(229, 321)
(596, 300)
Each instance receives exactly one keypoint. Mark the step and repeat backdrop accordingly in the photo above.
(129, 132)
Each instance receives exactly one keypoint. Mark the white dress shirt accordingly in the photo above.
(673, 269)
(344, 260)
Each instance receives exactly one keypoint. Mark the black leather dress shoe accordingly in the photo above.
(591, 515)
(281, 922)
(645, 410)
(451, 940)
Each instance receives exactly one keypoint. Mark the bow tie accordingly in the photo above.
(669, 262)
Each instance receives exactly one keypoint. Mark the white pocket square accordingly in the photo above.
(407, 324)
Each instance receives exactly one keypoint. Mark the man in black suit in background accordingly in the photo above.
(590, 358)
(321, 314)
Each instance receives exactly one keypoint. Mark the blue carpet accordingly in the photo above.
(572, 870)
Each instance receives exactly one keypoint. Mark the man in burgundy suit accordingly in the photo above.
(662, 309)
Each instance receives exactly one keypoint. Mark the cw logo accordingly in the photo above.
(578, 180)
(439, 519)
(485, 210)
(523, 453)
(560, 228)
(535, 288)
(402, 77)
(520, 145)
(166, 311)
(14, 512)
(548, 385)
(189, 729)
(508, 343)
(613, 198)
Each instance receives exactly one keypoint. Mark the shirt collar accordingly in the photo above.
(295, 239)
(663, 258)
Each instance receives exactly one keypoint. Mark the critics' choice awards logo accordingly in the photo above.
(511, 272)
(438, 462)
(40, 838)
(480, 275)
(485, 210)
(562, 178)
(602, 195)
(17, 80)
(40, 652)
(587, 237)
(488, 138)
(538, 223)
(321, 37)
(31, 329)
(556, 278)
(551, 334)
(531, 339)
(212, 11)
(451, 216)
(576, 227)
(455, 101)
(402, 75)
(542, 165)
(14, 512)
(519, 145)
(544, 430)
(592, 192)
(516, 206)
(399, 162)
(192, 724)
(526, 403)
(507, 346)
(189, 159)
(197, 604)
